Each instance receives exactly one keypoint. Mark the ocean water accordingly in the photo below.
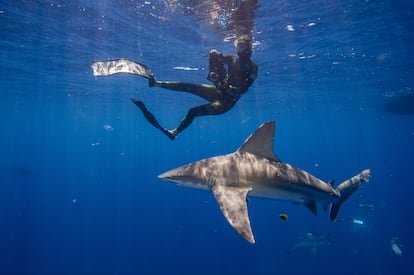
(79, 192)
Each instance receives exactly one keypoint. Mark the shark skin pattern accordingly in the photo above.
(256, 171)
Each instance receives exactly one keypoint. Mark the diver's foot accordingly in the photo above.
(168, 133)
(151, 81)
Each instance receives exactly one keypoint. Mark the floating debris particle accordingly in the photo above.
(290, 28)
(184, 68)
(357, 221)
(108, 127)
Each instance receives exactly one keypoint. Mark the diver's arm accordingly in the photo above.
(252, 74)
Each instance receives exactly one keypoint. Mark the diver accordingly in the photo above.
(231, 75)
(228, 86)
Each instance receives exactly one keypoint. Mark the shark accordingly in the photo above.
(310, 243)
(255, 170)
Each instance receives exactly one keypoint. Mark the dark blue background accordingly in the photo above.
(76, 198)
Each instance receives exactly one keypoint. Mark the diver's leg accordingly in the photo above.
(214, 108)
(205, 91)
(150, 117)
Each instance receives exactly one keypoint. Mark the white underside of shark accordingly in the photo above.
(255, 170)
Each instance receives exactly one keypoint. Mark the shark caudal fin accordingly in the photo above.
(346, 189)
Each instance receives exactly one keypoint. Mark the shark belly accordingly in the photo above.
(291, 195)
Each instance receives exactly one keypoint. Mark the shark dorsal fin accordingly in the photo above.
(260, 143)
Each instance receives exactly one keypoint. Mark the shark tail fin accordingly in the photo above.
(346, 189)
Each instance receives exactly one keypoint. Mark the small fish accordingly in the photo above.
(283, 216)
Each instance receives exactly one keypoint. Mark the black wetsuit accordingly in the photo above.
(228, 87)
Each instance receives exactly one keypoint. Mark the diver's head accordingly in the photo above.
(243, 44)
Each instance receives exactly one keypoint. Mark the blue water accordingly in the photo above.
(80, 197)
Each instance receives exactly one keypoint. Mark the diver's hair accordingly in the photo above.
(243, 43)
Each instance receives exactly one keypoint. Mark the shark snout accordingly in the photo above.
(170, 176)
(165, 176)
(175, 175)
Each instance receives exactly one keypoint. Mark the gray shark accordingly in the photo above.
(256, 171)
(310, 243)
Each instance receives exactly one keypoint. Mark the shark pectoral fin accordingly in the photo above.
(232, 202)
(311, 205)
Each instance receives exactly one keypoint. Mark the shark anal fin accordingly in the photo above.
(232, 202)
(311, 205)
